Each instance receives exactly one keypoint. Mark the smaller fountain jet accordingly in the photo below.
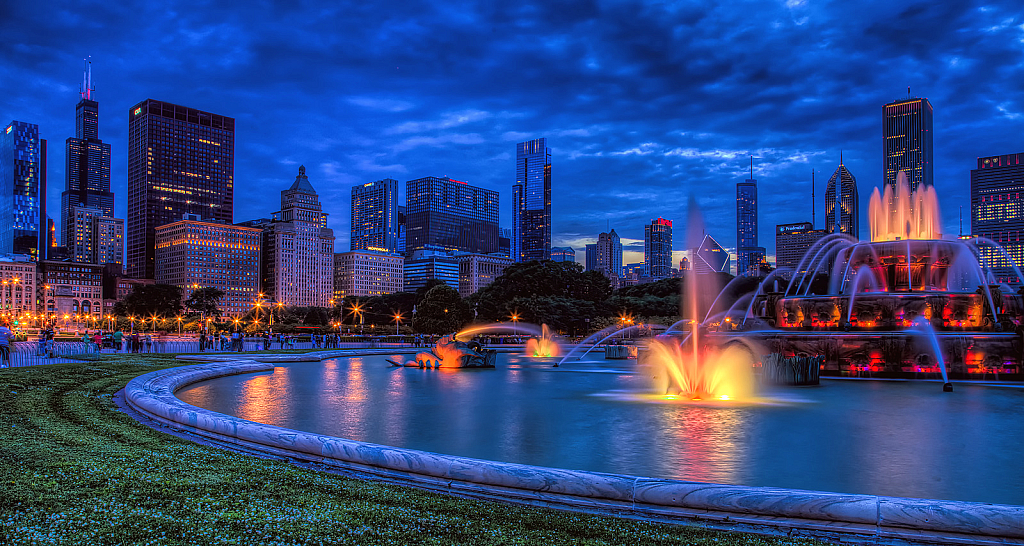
(543, 346)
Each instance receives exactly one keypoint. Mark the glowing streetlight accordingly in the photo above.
(398, 321)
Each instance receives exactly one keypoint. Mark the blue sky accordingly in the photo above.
(643, 103)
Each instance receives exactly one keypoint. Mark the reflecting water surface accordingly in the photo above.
(875, 437)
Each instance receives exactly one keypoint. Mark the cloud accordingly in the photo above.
(643, 103)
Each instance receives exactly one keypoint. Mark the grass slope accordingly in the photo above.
(74, 470)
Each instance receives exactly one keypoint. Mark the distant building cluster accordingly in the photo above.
(180, 226)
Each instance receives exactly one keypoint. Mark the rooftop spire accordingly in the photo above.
(87, 86)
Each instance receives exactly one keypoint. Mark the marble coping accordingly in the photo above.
(860, 518)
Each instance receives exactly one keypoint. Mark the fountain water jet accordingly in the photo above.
(543, 346)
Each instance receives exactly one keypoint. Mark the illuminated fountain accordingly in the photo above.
(543, 346)
(877, 290)
(724, 374)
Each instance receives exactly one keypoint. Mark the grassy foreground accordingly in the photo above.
(74, 470)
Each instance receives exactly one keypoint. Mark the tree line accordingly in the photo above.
(560, 294)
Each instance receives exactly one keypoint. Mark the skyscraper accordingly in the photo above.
(375, 216)
(997, 212)
(450, 215)
(298, 249)
(531, 202)
(792, 241)
(192, 253)
(180, 161)
(907, 142)
(709, 257)
(845, 200)
(87, 204)
(658, 248)
(749, 256)
(606, 256)
(23, 175)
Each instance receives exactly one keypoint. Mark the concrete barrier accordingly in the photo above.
(848, 518)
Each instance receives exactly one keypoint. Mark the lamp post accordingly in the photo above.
(179, 325)
(398, 322)
(515, 319)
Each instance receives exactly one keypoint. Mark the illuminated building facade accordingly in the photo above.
(606, 256)
(907, 142)
(22, 203)
(658, 248)
(792, 241)
(298, 249)
(450, 215)
(563, 254)
(842, 209)
(479, 270)
(69, 289)
(997, 212)
(96, 237)
(180, 161)
(87, 197)
(419, 269)
(749, 256)
(192, 252)
(531, 202)
(377, 217)
(364, 273)
(17, 285)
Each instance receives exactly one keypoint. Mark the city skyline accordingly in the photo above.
(678, 126)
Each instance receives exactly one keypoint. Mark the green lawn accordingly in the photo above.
(74, 470)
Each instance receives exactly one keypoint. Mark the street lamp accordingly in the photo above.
(179, 324)
(398, 321)
(515, 319)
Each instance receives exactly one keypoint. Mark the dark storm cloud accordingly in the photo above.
(644, 103)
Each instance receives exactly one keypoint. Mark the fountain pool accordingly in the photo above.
(899, 438)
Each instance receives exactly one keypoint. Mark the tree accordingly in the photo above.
(442, 311)
(559, 294)
(162, 300)
(205, 301)
(315, 316)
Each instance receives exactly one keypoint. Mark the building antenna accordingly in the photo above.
(961, 221)
(751, 167)
(908, 91)
(812, 199)
(87, 87)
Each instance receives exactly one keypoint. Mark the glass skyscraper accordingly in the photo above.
(844, 200)
(180, 161)
(997, 212)
(658, 248)
(376, 223)
(907, 142)
(531, 202)
(749, 256)
(450, 215)
(22, 204)
(87, 199)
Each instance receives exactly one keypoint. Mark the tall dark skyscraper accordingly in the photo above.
(606, 256)
(180, 161)
(907, 142)
(86, 194)
(375, 217)
(749, 256)
(531, 202)
(658, 248)
(449, 215)
(844, 200)
(22, 201)
(997, 212)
